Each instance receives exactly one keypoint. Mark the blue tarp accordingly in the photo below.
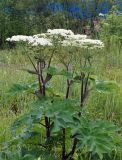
(86, 12)
(74, 9)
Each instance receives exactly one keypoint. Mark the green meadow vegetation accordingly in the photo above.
(63, 103)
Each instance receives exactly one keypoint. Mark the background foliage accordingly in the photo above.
(29, 17)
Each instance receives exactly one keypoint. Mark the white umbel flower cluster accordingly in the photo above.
(18, 38)
(61, 32)
(33, 40)
(41, 42)
(84, 43)
(77, 37)
(69, 39)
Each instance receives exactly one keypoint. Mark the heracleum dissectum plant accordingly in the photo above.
(59, 53)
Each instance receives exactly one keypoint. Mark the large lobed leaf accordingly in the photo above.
(97, 136)
(22, 88)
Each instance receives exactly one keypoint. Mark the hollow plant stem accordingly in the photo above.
(82, 93)
(43, 93)
(63, 144)
(64, 130)
(71, 153)
(47, 124)
(39, 80)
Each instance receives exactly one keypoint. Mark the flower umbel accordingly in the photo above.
(64, 37)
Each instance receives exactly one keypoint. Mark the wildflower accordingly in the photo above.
(20, 38)
(77, 37)
(69, 39)
(83, 43)
(33, 40)
(61, 32)
(42, 42)
(43, 35)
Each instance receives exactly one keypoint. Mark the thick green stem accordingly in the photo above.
(39, 79)
(64, 130)
(82, 93)
(70, 154)
(63, 144)
(43, 92)
(47, 124)
(47, 120)
(68, 89)
(86, 86)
